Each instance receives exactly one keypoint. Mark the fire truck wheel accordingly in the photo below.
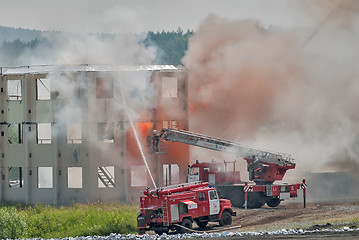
(187, 223)
(202, 224)
(255, 200)
(226, 219)
(273, 202)
(236, 195)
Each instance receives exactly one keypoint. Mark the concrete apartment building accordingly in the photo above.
(66, 132)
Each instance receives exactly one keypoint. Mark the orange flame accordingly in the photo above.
(144, 128)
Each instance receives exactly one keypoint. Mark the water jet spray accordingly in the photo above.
(136, 137)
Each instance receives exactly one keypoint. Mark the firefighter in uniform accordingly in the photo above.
(254, 168)
(156, 140)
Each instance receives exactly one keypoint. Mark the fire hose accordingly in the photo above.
(216, 230)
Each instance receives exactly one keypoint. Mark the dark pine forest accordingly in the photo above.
(170, 46)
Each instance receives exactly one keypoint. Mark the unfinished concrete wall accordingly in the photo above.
(171, 164)
(61, 146)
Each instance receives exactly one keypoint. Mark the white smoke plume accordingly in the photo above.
(287, 90)
(119, 47)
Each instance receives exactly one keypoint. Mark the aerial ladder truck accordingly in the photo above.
(264, 167)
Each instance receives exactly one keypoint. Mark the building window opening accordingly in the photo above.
(15, 177)
(14, 90)
(15, 133)
(106, 177)
(170, 124)
(139, 176)
(174, 174)
(169, 87)
(104, 88)
(74, 177)
(43, 91)
(44, 177)
(106, 132)
(170, 174)
(74, 133)
(44, 133)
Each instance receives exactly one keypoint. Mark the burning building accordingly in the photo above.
(78, 132)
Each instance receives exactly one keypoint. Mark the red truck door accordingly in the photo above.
(203, 205)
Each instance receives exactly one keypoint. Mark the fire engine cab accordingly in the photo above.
(177, 207)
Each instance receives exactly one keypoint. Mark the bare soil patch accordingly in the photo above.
(293, 215)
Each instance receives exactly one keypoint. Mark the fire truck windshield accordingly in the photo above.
(194, 171)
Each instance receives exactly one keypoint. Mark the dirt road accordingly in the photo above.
(295, 216)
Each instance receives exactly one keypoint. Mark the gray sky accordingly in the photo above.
(137, 15)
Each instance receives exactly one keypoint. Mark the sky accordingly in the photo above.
(116, 16)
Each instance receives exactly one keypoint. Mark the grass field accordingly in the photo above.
(47, 221)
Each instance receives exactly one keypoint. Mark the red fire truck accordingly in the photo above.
(177, 207)
(264, 167)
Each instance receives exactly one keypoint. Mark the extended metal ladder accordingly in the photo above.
(179, 185)
(165, 212)
(195, 139)
(105, 177)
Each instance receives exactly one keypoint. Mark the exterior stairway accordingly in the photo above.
(105, 177)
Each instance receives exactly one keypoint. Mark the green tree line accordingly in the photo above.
(171, 47)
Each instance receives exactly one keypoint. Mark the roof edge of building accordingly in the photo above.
(43, 69)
